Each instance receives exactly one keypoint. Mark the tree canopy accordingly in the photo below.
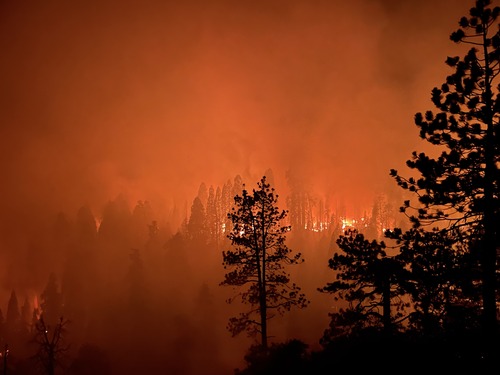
(256, 265)
(459, 190)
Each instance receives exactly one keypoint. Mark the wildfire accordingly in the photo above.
(353, 223)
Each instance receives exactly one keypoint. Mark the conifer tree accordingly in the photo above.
(212, 224)
(256, 265)
(226, 205)
(197, 224)
(51, 302)
(13, 313)
(459, 189)
(441, 280)
(370, 281)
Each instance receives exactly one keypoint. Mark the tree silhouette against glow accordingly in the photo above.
(256, 265)
(370, 281)
(441, 280)
(459, 189)
(50, 342)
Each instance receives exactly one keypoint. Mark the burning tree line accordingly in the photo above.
(208, 219)
(39, 336)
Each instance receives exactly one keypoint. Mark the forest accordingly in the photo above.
(262, 274)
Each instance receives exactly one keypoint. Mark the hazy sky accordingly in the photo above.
(151, 98)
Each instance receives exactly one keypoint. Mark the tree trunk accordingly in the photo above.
(488, 248)
(5, 355)
(263, 296)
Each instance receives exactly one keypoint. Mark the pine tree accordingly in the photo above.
(441, 280)
(211, 216)
(197, 224)
(14, 332)
(51, 302)
(459, 189)
(203, 194)
(13, 314)
(257, 262)
(226, 205)
(369, 281)
(214, 216)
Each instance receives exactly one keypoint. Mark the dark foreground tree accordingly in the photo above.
(370, 282)
(256, 265)
(459, 189)
(441, 281)
(51, 346)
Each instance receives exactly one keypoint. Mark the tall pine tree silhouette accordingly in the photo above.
(256, 265)
(459, 189)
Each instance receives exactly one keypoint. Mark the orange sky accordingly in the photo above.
(151, 98)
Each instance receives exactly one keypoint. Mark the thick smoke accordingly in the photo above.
(151, 98)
